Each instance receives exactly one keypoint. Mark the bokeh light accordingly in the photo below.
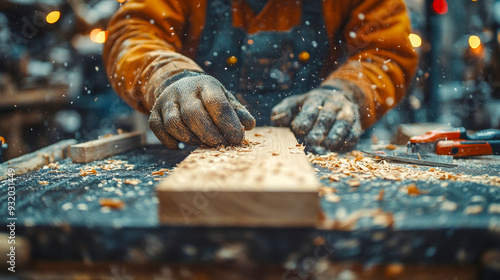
(98, 35)
(474, 42)
(53, 17)
(415, 40)
(440, 6)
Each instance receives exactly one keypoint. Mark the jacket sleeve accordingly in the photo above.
(143, 49)
(381, 60)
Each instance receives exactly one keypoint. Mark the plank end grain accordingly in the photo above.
(105, 147)
(36, 160)
(267, 182)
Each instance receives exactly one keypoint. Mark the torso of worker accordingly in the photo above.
(286, 47)
(267, 66)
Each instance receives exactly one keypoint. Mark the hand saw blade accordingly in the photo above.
(411, 160)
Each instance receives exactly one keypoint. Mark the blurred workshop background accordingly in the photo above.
(53, 85)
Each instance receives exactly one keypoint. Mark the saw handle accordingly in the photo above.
(456, 134)
(468, 148)
(487, 134)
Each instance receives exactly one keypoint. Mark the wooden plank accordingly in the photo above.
(266, 182)
(36, 160)
(105, 147)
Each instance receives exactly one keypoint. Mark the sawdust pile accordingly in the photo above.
(358, 167)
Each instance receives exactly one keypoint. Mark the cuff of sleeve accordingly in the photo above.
(175, 78)
(167, 67)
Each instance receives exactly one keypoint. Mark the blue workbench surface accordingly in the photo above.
(63, 219)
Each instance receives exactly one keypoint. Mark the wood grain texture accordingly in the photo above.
(266, 182)
(36, 160)
(105, 147)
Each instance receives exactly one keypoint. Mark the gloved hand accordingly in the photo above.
(325, 118)
(196, 110)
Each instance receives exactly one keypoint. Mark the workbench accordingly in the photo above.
(72, 235)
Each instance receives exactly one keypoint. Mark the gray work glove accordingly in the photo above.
(196, 109)
(324, 118)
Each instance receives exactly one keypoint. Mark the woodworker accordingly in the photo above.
(206, 70)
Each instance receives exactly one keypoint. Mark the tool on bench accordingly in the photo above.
(456, 142)
(429, 160)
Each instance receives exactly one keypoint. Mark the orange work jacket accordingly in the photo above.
(151, 40)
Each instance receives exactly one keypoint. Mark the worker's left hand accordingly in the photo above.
(325, 118)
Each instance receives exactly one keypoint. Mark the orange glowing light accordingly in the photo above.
(415, 40)
(53, 17)
(304, 56)
(232, 60)
(121, 1)
(474, 42)
(2, 140)
(99, 36)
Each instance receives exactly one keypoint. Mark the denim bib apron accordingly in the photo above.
(262, 69)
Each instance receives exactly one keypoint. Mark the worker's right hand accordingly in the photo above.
(198, 110)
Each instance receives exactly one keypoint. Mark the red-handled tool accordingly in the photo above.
(458, 148)
(457, 143)
(456, 134)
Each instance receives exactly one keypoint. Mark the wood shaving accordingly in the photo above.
(354, 183)
(297, 149)
(358, 167)
(43, 183)
(494, 208)
(54, 165)
(449, 206)
(109, 167)
(412, 190)
(380, 195)
(391, 147)
(473, 209)
(381, 218)
(106, 136)
(274, 153)
(331, 177)
(113, 203)
(257, 135)
(131, 181)
(115, 161)
(326, 190)
(158, 173)
(129, 166)
(86, 172)
(333, 198)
